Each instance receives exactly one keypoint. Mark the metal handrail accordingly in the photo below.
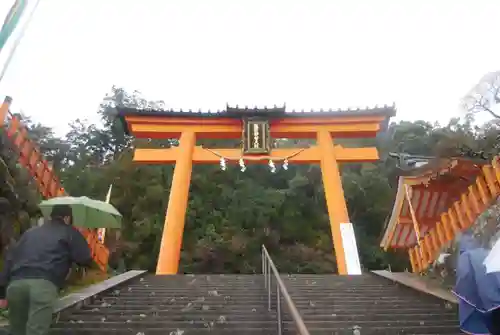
(268, 267)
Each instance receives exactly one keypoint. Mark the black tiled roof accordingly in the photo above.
(435, 163)
(238, 112)
(271, 112)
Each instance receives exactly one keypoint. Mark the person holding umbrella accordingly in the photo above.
(36, 268)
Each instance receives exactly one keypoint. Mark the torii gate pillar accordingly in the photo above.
(334, 195)
(173, 231)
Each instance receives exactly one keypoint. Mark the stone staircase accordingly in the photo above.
(175, 305)
(224, 304)
(368, 305)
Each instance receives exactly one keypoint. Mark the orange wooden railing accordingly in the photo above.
(42, 173)
(460, 216)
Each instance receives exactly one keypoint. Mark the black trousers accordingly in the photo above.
(495, 322)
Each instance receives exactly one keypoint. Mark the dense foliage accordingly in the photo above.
(230, 213)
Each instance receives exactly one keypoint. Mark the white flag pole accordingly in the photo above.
(108, 196)
(18, 40)
(101, 232)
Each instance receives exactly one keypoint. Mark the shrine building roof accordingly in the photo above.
(433, 187)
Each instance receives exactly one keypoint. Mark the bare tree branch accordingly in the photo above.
(484, 95)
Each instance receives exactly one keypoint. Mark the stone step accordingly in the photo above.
(187, 316)
(225, 302)
(180, 285)
(256, 310)
(162, 331)
(198, 298)
(365, 302)
(184, 302)
(145, 324)
(377, 317)
(315, 318)
(260, 331)
(149, 307)
(381, 294)
(420, 330)
(219, 323)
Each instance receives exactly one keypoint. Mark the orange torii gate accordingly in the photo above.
(256, 127)
(437, 201)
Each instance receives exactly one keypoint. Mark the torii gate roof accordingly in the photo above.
(232, 115)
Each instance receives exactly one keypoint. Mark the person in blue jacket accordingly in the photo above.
(478, 292)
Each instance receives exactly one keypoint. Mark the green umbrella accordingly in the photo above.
(87, 212)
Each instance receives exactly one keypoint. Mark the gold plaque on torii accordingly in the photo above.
(256, 136)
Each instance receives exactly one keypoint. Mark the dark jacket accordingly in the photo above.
(45, 252)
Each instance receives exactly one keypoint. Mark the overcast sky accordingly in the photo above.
(424, 55)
